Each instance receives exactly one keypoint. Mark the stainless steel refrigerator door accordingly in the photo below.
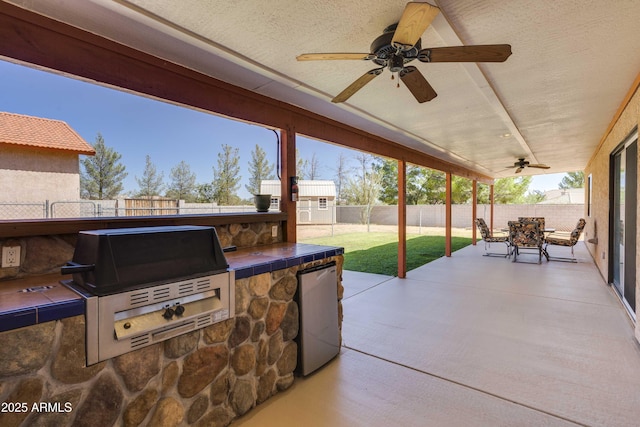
(319, 333)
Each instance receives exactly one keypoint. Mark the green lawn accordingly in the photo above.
(378, 252)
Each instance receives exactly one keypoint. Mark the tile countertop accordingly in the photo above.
(37, 299)
(263, 259)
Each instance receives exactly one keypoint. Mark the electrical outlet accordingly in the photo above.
(10, 256)
(274, 231)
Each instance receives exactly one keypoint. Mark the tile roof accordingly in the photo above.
(36, 132)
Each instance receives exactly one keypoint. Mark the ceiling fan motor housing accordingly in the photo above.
(384, 51)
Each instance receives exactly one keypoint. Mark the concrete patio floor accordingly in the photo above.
(473, 340)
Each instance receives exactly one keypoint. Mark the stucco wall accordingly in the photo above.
(32, 175)
(598, 222)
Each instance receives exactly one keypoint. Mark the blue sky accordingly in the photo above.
(136, 126)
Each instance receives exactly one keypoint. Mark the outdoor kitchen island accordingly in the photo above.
(206, 377)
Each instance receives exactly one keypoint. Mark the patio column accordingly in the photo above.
(491, 207)
(287, 170)
(447, 226)
(402, 219)
(474, 210)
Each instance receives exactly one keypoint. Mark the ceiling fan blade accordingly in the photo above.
(519, 170)
(357, 85)
(413, 23)
(331, 56)
(479, 53)
(417, 84)
(540, 166)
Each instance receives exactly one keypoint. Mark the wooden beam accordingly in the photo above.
(447, 225)
(34, 39)
(402, 219)
(288, 170)
(474, 210)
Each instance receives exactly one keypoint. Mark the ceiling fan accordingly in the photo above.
(522, 163)
(400, 44)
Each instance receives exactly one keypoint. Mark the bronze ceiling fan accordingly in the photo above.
(522, 163)
(400, 44)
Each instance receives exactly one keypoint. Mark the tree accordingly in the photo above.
(460, 190)
(341, 176)
(301, 166)
(572, 180)
(151, 182)
(533, 197)
(183, 183)
(226, 177)
(259, 170)
(364, 188)
(388, 171)
(424, 186)
(204, 193)
(103, 174)
(510, 190)
(313, 167)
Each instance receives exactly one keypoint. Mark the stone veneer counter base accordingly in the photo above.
(206, 377)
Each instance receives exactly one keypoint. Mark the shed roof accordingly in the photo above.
(306, 188)
(37, 132)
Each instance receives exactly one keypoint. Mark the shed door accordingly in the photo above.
(304, 211)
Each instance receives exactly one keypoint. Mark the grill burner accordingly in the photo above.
(145, 285)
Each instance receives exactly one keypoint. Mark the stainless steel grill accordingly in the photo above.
(124, 314)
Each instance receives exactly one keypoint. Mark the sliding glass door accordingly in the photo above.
(624, 168)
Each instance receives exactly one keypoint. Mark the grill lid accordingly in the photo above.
(109, 261)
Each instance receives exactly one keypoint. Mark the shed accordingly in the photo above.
(316, 200)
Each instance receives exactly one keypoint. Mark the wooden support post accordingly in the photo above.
(447, 227)
(287, 170)
(474, 210)
(402, 219)
(491, 207)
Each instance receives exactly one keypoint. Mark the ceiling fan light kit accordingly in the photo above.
(400, 44)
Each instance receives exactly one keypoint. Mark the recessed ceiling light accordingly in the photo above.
(505, 135)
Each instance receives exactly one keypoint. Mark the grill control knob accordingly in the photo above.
(179, 310)
(168, 313)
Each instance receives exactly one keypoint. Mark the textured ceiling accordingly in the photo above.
(573, 62)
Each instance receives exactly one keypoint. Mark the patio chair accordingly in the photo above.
(489, 238)
(560, 239)
(525, 235)
(538, 219)
(541, 228)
